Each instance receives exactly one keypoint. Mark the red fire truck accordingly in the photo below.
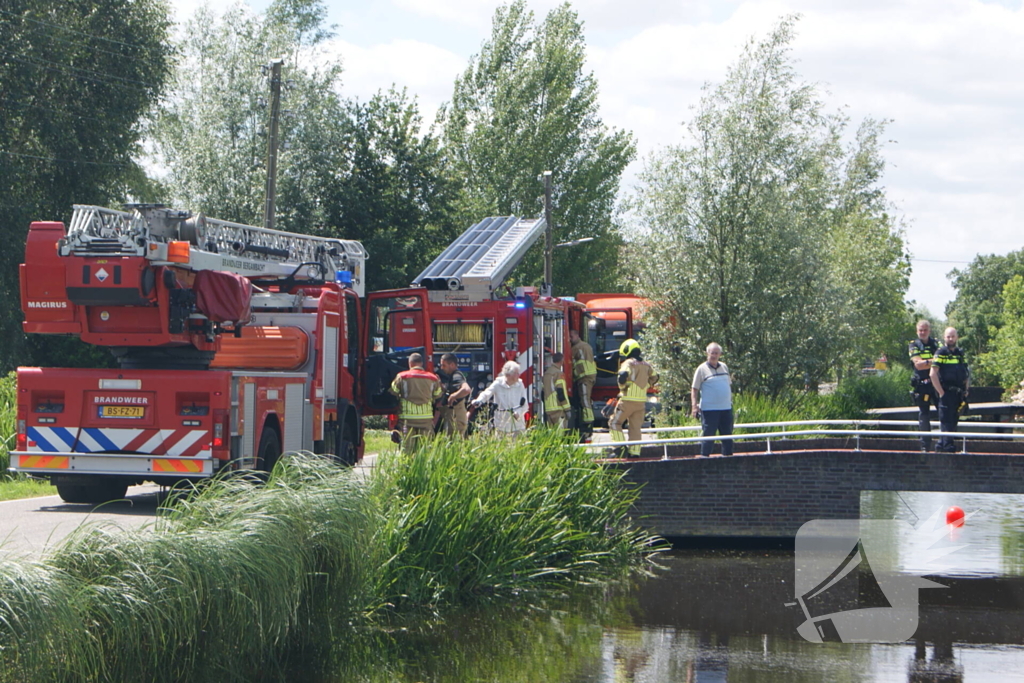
(611, 320)
(237, 343)
(460, 305)
(234, 344)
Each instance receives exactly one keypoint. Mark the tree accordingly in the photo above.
(394, 193)
(347, 169)
(977, 311)
(764, 234)
(1005, 361)
(211, 131)
(76, 80)
(525, 105)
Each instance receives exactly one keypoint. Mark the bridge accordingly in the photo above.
(776, 482)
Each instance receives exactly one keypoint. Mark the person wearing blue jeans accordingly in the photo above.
(712, 383)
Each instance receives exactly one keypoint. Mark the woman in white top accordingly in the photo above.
(509, 396)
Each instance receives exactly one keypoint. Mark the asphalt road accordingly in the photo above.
(30, 526)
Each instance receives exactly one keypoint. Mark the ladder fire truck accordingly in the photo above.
(234, 344)
(237, 343)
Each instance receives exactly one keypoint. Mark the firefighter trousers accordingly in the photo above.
(630, 413)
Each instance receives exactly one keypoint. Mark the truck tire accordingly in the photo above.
(345, 449)
(93, 493)
(270, 450)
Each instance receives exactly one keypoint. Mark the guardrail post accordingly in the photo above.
(856, 438)
(964, 449)
(768, 442)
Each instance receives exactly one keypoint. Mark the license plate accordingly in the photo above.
(122, 411)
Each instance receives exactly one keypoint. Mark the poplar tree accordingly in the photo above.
(764, 232)
(526, 104)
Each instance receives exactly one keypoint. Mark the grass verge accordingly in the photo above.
(13, 488)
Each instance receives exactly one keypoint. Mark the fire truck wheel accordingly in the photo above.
(92, 492)
(345, 446)
(270, 450)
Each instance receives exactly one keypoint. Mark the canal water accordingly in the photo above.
(728, 615)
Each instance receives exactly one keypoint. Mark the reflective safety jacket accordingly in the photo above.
(926, 350)
(635, 378)
(556, 397)
(416, 390)
(953, 370)
(583, 365)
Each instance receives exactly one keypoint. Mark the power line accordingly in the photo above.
(64, 161)
(81, 33)
(59, 112)
(98, 76)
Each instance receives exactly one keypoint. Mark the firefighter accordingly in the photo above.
(952, 380)
(556, 396)
(584, 375)
(635, 377)
(454, 418)
(921, 351)
(417, 390)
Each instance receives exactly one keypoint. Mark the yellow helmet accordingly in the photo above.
(629, 347)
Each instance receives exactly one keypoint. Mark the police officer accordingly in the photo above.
(921, 351)
(635, 377)
(952, 380)
(454, 417)
(584, 375)
(556, 396)
(416, 390)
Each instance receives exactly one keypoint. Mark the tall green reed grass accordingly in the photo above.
(494, 516)
(233, 584)
(241, 582)
(8, 412)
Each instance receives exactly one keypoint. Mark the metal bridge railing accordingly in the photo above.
(785, 433)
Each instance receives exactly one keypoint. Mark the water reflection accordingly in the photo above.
(991, 542)
(717, 616)
(711, 616)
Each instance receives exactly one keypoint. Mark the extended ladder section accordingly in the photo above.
(482, 257)
(157, 233)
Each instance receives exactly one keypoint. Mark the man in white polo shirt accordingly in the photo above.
(713, 383)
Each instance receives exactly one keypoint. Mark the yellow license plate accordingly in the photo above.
(122, 411)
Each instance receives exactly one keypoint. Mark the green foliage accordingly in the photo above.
(977, 312)
(392, 190)
(525, 105)
(765, 235)
(353, 170)
(488, 515)
(887, 390)
(1005, 361)
(8, 415)
(75, 81)
(210, 131)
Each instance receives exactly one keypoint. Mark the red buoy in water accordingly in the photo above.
(955, 516)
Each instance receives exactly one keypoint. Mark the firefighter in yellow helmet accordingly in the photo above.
(635, 377)
(556, 395)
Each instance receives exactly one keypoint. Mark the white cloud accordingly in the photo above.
(428, 71)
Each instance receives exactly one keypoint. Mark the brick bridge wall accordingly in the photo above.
(758, 495)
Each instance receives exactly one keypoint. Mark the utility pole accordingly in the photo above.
(275, 115)
(549, 247)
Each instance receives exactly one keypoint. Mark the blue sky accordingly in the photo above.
(947, 72)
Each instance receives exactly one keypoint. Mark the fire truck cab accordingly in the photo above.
(460, 305)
